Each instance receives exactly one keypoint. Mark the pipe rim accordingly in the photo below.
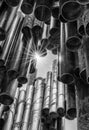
(12, 73)
(61, 112)
(6, 99)
(53, 115)
(83, 74)
(39, 9)
(70, 43)
(84, 2)
(67, 78)
(68, 8)
(22, 79)
(81, 30)
(72, 113)
(26, 8)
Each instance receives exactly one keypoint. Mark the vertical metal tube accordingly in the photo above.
(61, 99)
(55, 9)
(73, 41)
(71, 101)
(8, 91)
(27, 111)
(46, 101)
(53, 94)
(43, 9)
(3, 109)
(37, 104)
(71, 9)
(22, 78)
(20, 110)
(53, 125)
(11, 114)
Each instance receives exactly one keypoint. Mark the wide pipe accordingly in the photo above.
(71, 9)
(13, 3)
(43, 9)
(28, 105)
(10, 120)
(46, 101)
(8, 91)
(37, 104)
(9, 39)
(27, 6)
(20, 110)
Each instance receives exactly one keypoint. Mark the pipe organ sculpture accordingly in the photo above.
(32, 28)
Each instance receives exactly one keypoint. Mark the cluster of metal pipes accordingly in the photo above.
(38, 26)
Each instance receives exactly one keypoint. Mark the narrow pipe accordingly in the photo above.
(55, 9)
(20, 110)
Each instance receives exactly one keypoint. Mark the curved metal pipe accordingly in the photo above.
(27, 6)
(10, 120)
(71, 9)
(83, 2)
(43, 9)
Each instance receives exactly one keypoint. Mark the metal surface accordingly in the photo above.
(55, 9)
(10, 37)
(27, 109)
(27, 6)
(37, 104)
(61, 99)
(70, 101)
(71, 9)
(73, 42)
(46, 101)
(8, 91)
(53, 92)
(83, 2)
(10, 120)
(43, 9)
(20, 110)
(66, 59)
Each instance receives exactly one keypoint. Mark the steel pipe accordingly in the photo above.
(28, 105)
(26, 30)
(53, 125)
(59, 123)
(71, 9)
(46, 101)
(73, 41)
(61, 99)
(6, 19)
(9, 39)
(27, 6)
(53, 94)
(17, 56)
(37, 104)
(20, 110)
(71, 101)
(43, 9)
(55, 9)
(54, 25)
(66, 59)
(11, 114)
(22, 78)
(8, 91)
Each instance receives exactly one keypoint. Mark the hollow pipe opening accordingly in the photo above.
(67, 78)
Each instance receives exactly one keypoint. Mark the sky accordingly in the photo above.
(44, 65)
